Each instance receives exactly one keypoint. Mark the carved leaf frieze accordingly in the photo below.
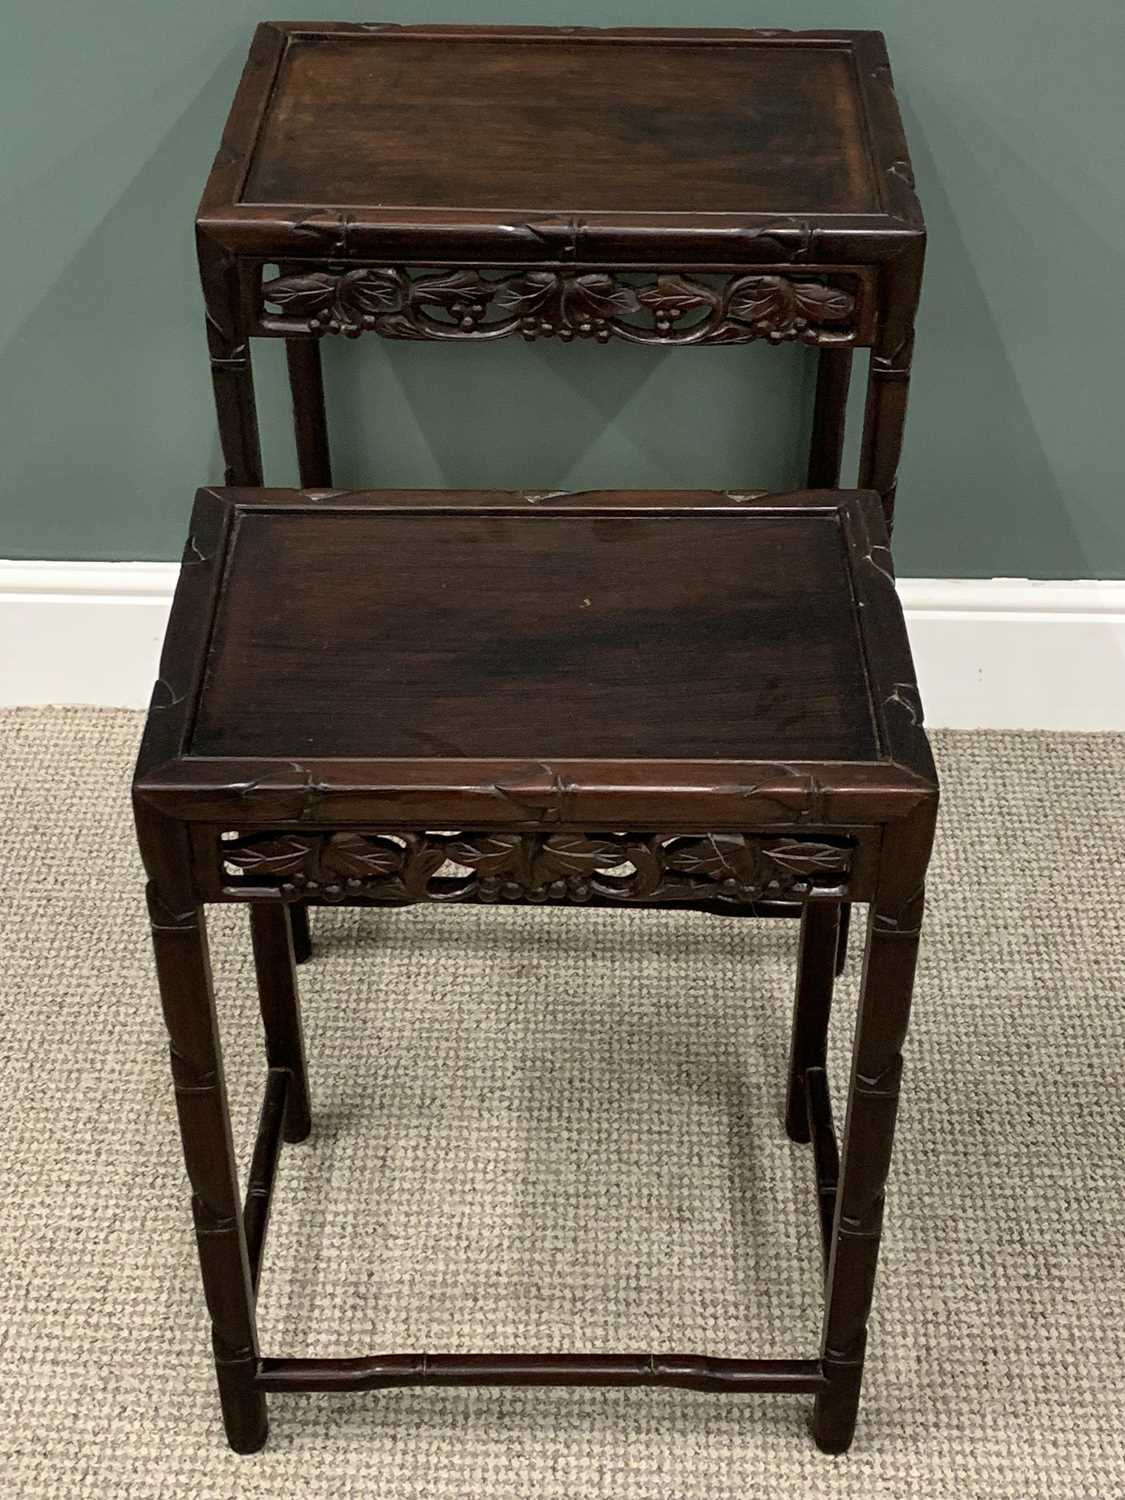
(668, 308)
(536, 867)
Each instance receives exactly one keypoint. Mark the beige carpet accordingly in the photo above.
(539, 1130)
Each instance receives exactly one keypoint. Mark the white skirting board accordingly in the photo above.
(1000, 653)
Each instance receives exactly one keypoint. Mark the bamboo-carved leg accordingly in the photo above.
(888, 380)
(812, 1007)
(184, 973)
(314, 464)
(826, 449)
(231, 372)
(884, 1009)
(281, 1013)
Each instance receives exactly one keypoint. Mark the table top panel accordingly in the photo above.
(360, 633)
(527, 122)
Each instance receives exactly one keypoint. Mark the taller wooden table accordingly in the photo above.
(665, 187)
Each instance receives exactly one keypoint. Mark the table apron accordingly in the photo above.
(678, 305)
(736, 872)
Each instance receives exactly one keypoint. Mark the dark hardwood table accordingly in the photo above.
(667, 187)
(618, 700)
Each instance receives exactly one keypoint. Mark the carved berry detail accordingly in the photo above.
(669, 308)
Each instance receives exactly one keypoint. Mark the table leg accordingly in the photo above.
(826, 456)
(888, 380)
(884, 1009)
(281, 1011)
(314, 463)
(826, 449)
(231, 371)
(842, 938)
(299, 927)
(310, 420)
(184, 973)
(812, 1007)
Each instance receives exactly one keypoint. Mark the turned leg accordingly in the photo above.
(281, 1012)
(184, 974)
(812, 1007)
(826, 449)
(884, 1009)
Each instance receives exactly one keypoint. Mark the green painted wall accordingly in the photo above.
(110, 113)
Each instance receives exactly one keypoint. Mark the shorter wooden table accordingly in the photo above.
(677, 188)
(686, 700)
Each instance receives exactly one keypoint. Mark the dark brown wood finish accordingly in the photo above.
(893, 931)
(274, 960)
(678, 188)
(668, 187)
(692, 1372)
(184, 973)
(310, 422)
(632, 122)
(263, 1164)
(546, 634)
(545, 772)
(698, 136)
(812, 1008)
(826, 450)
(232, 373)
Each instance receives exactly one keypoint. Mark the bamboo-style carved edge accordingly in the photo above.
(172, 703)
(877, 89)
(621, 242)
(567, 795)
(244, 121)
(896, 700)
(611, 240)
(696, 1372)
(459, 793)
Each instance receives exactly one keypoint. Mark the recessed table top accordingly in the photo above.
(499, 127)
(363, 633)
(531, 124)
(430, 634)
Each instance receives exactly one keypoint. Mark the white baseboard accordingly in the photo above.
(1001, 653)
(82, 632)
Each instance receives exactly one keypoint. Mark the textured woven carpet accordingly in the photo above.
(540, 1130)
